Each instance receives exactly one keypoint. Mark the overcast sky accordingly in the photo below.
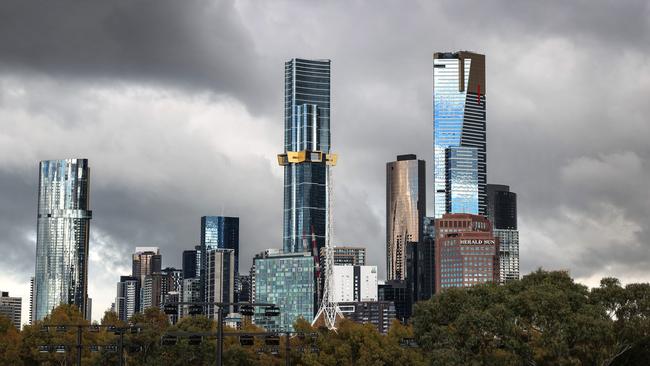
(178, 107)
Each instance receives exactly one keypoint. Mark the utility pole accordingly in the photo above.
(287, 349)
(219, 335)
(121, 347)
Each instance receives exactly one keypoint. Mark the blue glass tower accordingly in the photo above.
(306, 158)
(459, 124)
(63, 231)
(218, 232)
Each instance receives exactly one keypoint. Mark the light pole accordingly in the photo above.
(271, 310)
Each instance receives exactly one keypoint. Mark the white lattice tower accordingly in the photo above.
(329, 309)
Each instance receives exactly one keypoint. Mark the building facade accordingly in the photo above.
(220, 278)
(191, 263)
(287, 280)
(63, 231)
(11, 307)
(345, 255)
(218, 232)
(145, 261)
(400, 295)
(459, 125)
(306, 158)
(192, 292)
(467, 252)
(354, 283)
(127, 300)
(426, 262)
(378, 313)
(502, 212)
(405, 211)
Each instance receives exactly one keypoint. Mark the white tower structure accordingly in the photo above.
(329, 309)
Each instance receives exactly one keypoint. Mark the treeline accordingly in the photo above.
(543, 319)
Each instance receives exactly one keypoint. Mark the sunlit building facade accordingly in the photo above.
(63, 231)
(405, 210)
(459, 133)
(466, 251)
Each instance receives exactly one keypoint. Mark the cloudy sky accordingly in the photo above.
(178, 106)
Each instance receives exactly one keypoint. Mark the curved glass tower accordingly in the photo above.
(306, 158)
(62, 235)
(459, 156)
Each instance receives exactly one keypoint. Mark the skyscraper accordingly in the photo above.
(459, 123)
(345, 255)
(466, 251)
(191, 263)
(502, 212)
(127, 299)
(146, 261)
(63, 231)
(220, 278)
(354, 283)
(218, 232)
(306, 158)
(405, 210)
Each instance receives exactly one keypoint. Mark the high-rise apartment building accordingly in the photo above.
(306, 158)
(502, 212)
(220, 278)
(287, 280)
(244, 288)
(152, 292)
(405, 211)
(11, 307)
(219, 232)
(378, 313)
(63, 231)
(127, 300)
(466, 251)
(354, 283)
(32, 298)
(460, 153)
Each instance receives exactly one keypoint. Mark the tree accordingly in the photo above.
(10, 340)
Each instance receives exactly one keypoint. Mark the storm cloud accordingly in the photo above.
(178, 106)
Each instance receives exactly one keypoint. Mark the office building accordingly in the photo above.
(11, 308)
(466, 251)
(219, 232)
(378, 313)
(63, 230)
(460, 153)
(152, 292)
(192, 292)
(172, 280)
(127, 300)
(400, 295)
(220, 278)
(354, 283)
(345, 255)
(146, 261)
(171, 297)
(191, 263)
(405, 210)
(306, 157)
(287, 280)
(502, 212)
(426, 263)
(244, 288)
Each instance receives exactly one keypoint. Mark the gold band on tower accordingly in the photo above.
(307, 156)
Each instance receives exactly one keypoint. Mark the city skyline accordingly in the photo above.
(147, 133)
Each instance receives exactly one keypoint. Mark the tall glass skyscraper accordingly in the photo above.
(218, 232)
(405, 210)
(459, 153)
(306, 158)
(63, 230)
(502, 212)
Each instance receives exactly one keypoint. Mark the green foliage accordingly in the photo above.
(543, 319)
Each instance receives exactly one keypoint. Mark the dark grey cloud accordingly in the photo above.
(178, 105)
